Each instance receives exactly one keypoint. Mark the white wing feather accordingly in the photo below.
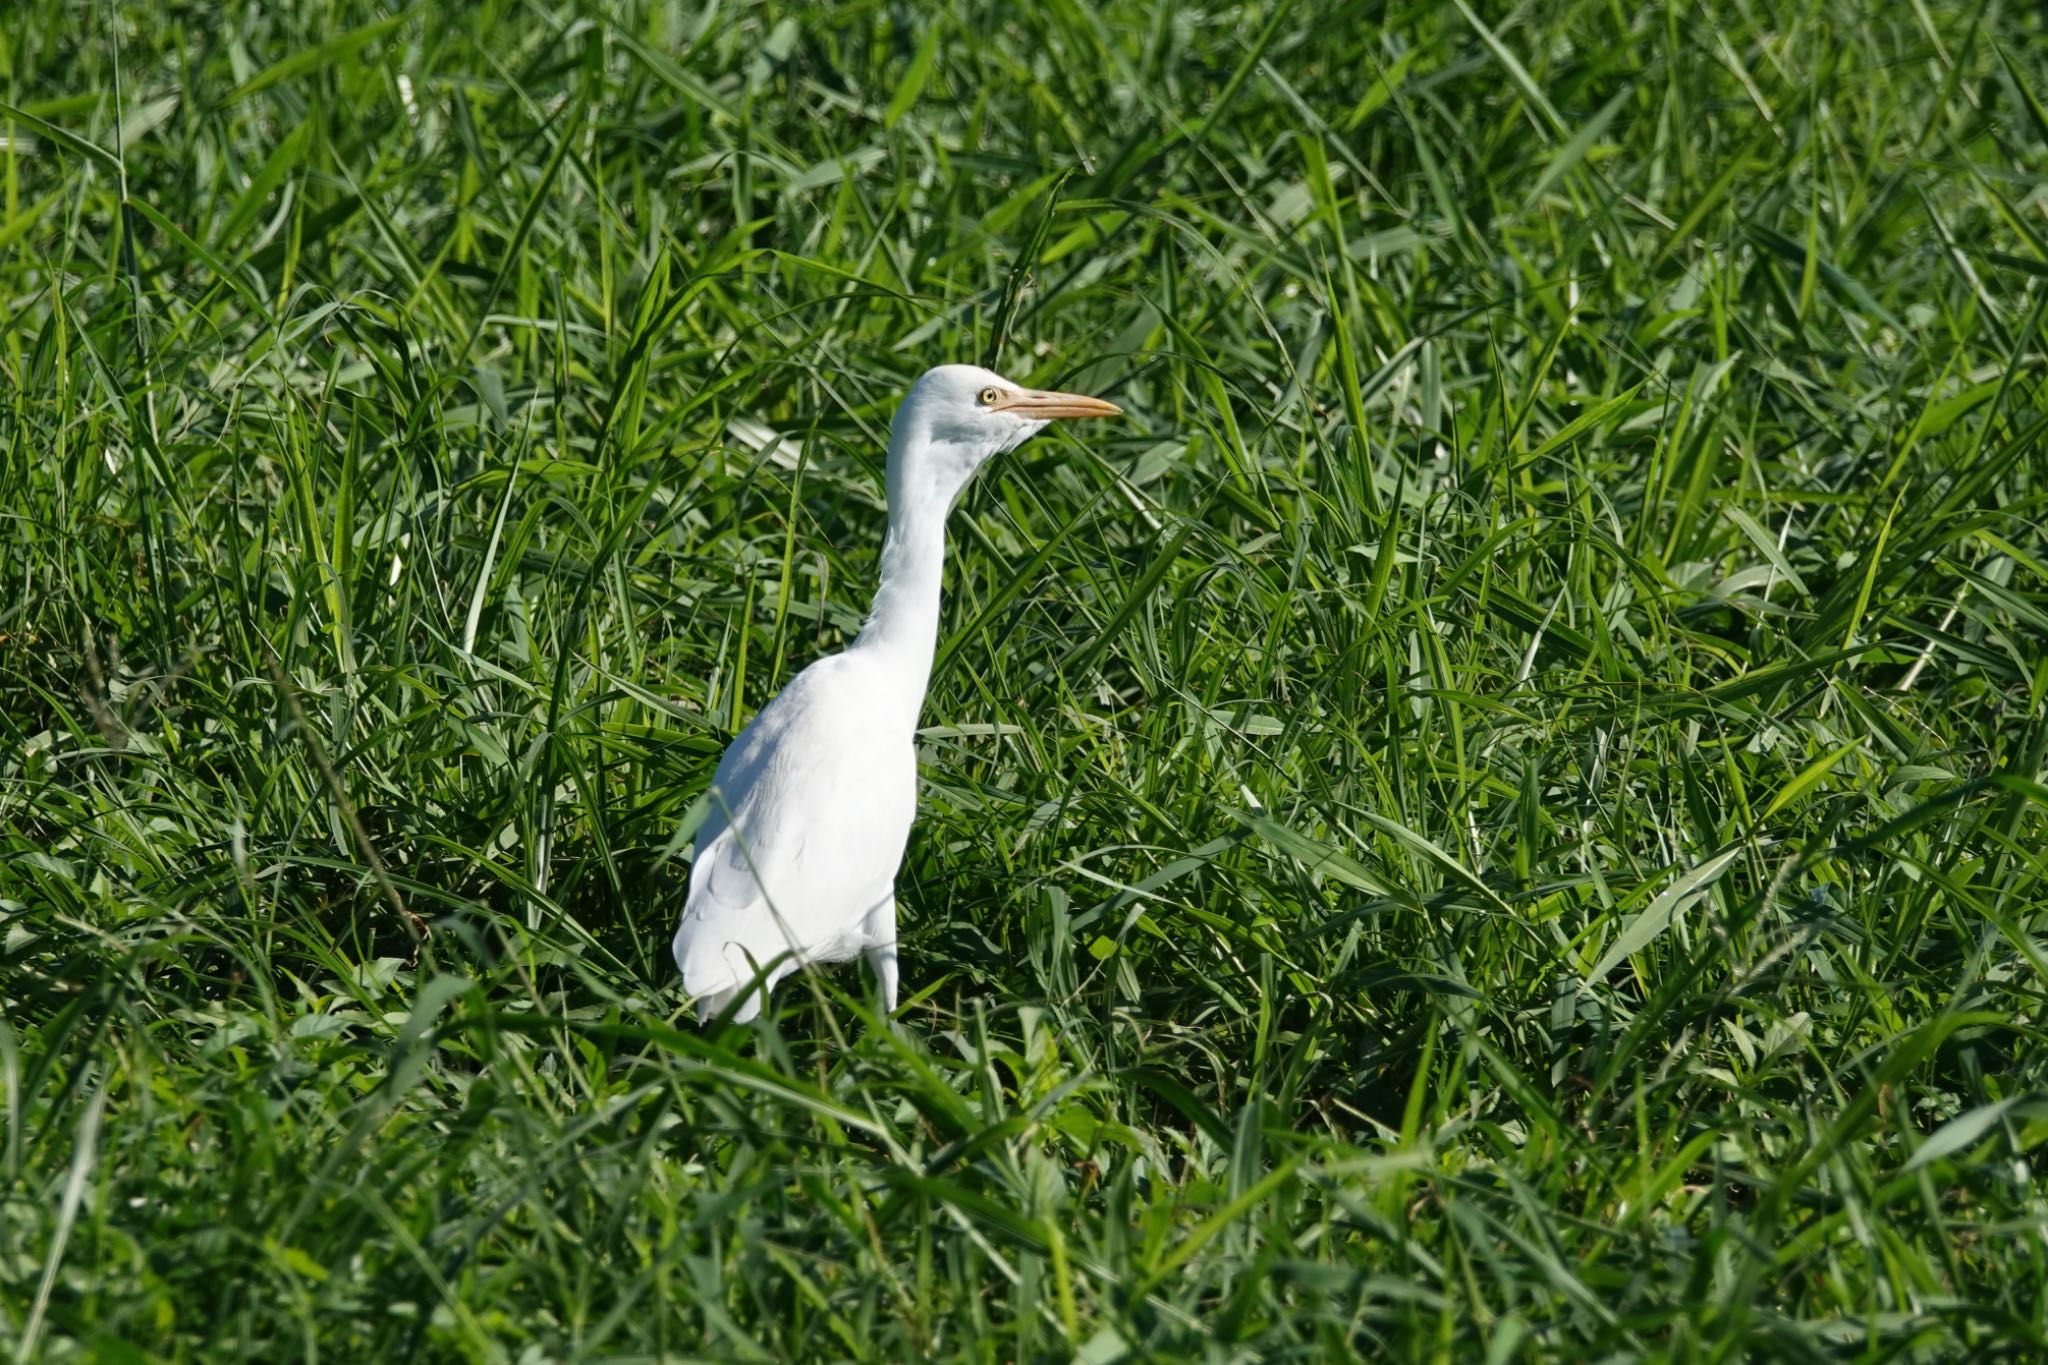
(812, 806)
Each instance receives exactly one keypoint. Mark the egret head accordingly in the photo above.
(958, 417)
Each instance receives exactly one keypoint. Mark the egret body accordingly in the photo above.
(812, 804)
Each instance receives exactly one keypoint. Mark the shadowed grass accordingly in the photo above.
(1499, 815)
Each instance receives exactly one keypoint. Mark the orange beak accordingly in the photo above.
(1040, 405)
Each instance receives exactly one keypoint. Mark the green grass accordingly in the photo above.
(1498, 815)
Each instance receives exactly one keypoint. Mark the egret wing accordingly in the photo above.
(812, 807)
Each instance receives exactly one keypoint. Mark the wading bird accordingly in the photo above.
(812, 804)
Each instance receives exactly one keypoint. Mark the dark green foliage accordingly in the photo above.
(1498, 815)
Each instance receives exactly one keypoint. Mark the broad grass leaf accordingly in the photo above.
(1643, 929)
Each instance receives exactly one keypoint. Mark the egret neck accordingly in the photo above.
(926, 477)
(903, 625)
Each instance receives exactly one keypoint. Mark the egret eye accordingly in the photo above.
(989, 397)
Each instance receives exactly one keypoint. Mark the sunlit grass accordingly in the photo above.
(1498, 815)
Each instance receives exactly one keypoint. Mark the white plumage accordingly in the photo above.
(812, 804)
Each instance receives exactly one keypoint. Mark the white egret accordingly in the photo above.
(812, 804)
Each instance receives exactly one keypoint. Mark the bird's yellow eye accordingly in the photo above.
(989, 397)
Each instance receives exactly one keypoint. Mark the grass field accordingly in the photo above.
(1498, 815)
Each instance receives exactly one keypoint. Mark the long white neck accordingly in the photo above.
(903, 626)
